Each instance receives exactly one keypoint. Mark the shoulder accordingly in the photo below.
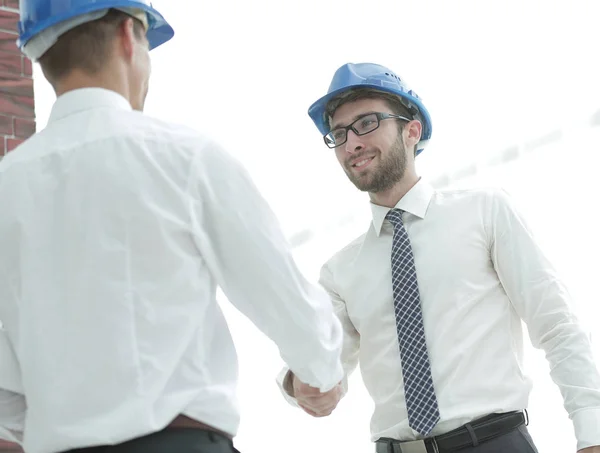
(198, 146)
(161, 131)
(471, 201)
(469, 195)
(344, 256)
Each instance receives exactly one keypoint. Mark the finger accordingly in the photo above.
(315, 413)
(309, 411)
(307, 390)
(319, 406)
(319, 402)
(303, 389)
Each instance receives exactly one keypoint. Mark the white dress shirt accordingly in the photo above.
(116, 230)
(480, 273)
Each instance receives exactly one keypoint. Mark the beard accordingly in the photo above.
(389, 171)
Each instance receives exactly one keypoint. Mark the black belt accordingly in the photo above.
(173, 439)
(469, 435)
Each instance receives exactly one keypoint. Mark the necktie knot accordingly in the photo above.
(394, 216)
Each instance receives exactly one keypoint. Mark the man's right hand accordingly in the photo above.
(312, 401)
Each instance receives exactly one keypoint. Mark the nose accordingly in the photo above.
(353, 143)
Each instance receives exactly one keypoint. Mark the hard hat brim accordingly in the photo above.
(159, 31)
(158, 36)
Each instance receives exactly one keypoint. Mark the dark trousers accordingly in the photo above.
(172, 440)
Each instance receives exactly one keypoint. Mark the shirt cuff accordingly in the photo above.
(586, 423)
(10, 372)
(13, 436)
(12, 416)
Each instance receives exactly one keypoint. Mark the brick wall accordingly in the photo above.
(17, 117)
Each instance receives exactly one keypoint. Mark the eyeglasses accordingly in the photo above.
(362, 126)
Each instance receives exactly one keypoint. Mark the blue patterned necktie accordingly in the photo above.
(421, 403)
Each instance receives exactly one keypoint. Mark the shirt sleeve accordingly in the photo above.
(12, 416)
(243, 245)
(351, 342)
(12, 402)
(542, 301)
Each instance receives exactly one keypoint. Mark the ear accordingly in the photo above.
(412, 133)
(127, 38)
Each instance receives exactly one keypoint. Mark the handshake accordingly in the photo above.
(311, 399)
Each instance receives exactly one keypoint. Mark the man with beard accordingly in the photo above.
(116, 230)
(432, 296)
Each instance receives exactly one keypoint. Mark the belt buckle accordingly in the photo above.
(415, 446)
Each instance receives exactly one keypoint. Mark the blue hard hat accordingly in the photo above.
(369, 75)
(38, 15)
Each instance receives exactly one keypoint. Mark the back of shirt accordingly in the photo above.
(116, 230)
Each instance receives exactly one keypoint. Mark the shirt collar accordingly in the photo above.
(86, 99)
(415, 201)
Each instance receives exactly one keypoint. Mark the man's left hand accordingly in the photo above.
(595, 449)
